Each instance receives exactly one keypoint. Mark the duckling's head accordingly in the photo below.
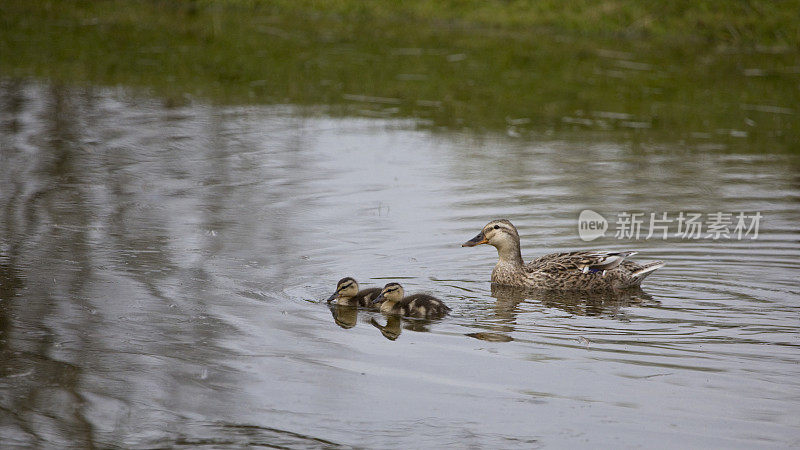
(499, 233)
(392, 292)
(345, 288)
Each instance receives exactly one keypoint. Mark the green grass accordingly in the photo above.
(666, 71)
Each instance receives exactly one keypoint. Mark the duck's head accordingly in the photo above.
(499, 233)
(392, 292)
(346, 287)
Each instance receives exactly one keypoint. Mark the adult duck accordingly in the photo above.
(580, 270)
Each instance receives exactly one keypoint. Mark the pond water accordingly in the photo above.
(161, 271)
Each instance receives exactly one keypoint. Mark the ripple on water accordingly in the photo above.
(171, 262)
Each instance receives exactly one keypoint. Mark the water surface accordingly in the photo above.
(161, 270)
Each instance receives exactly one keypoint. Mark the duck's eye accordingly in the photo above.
(496, 227)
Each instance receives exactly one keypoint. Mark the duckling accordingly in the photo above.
(417, 305)
(580, 270)
(348, 294)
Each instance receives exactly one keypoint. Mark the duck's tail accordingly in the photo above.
(639, 275)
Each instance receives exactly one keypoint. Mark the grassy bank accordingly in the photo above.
(757, 22)
(699, 72)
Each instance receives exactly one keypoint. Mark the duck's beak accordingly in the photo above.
(378, 298)
(330, 299)
(477, 240)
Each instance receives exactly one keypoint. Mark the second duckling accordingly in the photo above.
(416, 305)
(347, 294)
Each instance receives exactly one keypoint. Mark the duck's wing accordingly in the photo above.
(584, 261)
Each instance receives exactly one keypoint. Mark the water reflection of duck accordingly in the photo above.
(573, 302)
(395, 325)
(581, 270)
(392, 329)
(347, 293)
(415, 305)
(344, 315)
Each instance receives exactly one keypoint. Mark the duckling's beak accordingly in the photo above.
(378, 298)
(330, 299)
(477, 240)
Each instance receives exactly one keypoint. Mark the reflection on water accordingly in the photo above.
(392, 329)
(581, 303)
(347, 317)
(344, 316)
(157, 266)
(395, 325)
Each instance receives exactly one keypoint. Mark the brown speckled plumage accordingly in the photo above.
(415, 305)
(580, 270)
